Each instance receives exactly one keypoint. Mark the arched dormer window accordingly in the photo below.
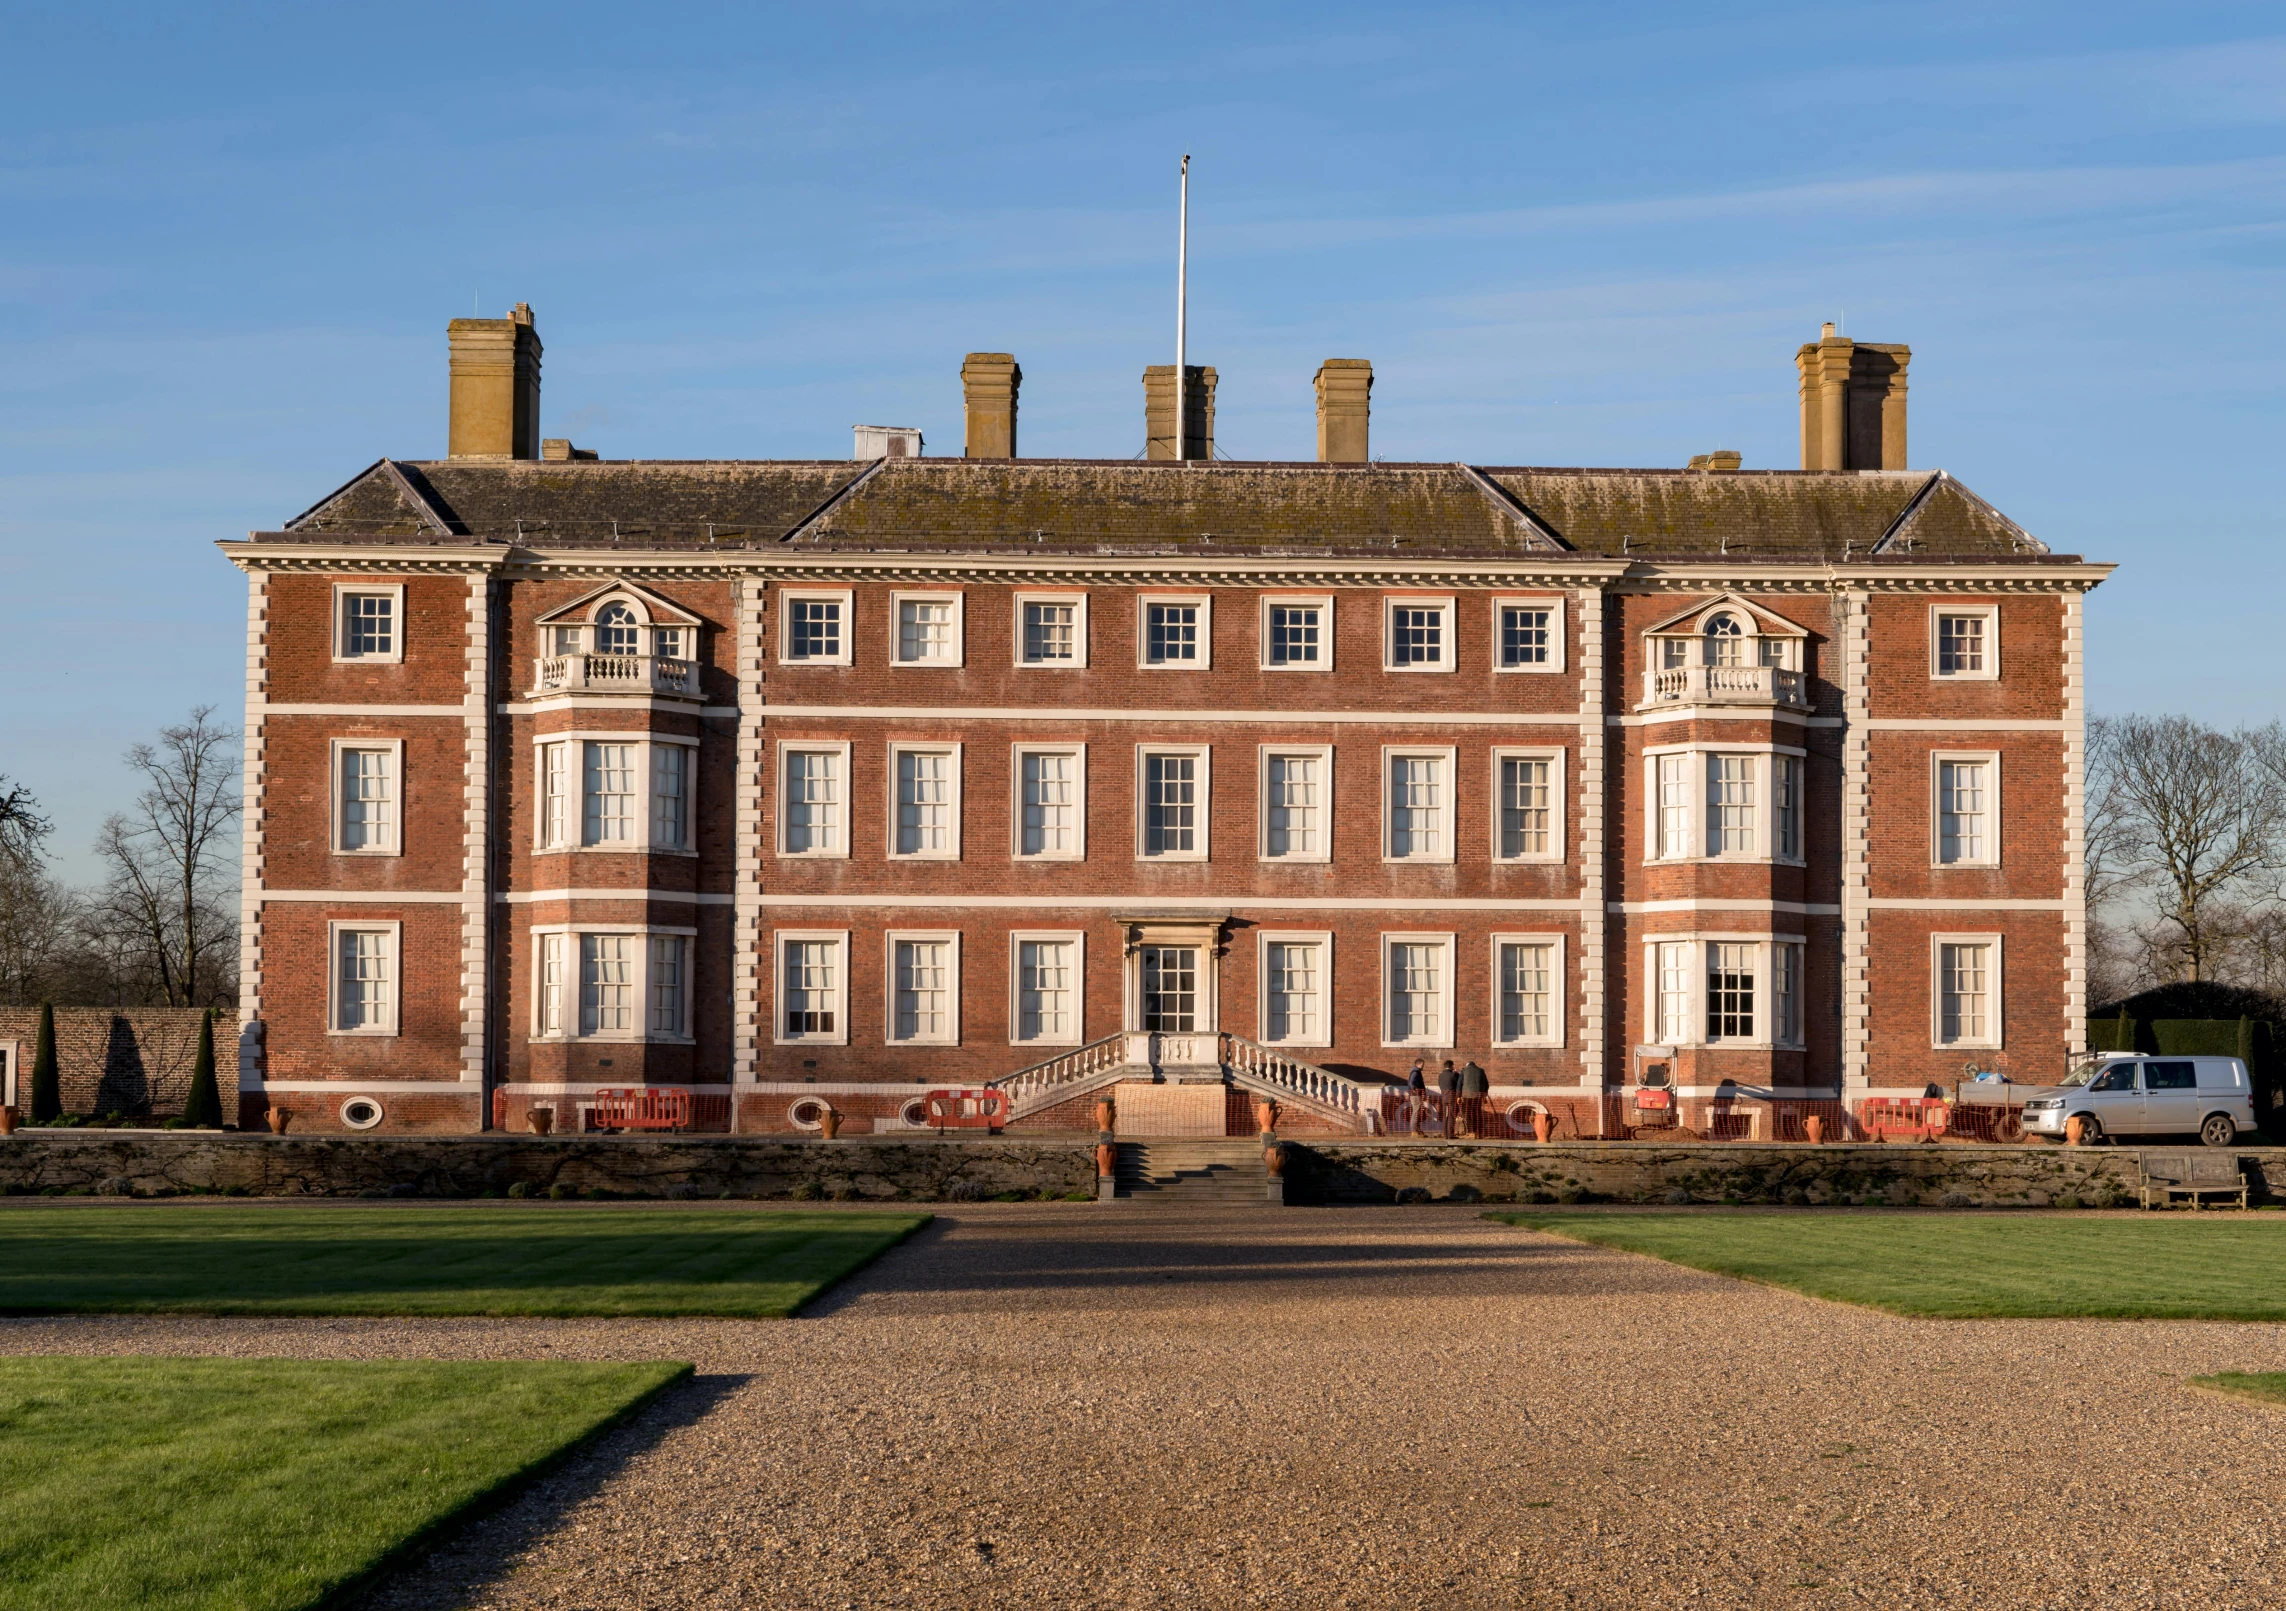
(1726, 641)
(617, 629)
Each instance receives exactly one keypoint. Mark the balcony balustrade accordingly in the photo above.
(614, 674)
(1725, 685)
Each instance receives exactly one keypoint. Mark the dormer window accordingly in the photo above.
(1726, 641)
(618, 640)
(617, 630)
(1725, 651)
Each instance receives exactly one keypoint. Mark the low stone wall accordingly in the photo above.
(1928, 1176)
(168, 1163)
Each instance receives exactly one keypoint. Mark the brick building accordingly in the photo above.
(795, 783)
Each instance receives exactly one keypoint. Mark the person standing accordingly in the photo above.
(1448, 1097)
(1416, 1089)
(1473, 1088)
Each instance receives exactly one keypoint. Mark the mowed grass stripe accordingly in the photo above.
(264, 1484)
(1974, 1266)
(462, 1261)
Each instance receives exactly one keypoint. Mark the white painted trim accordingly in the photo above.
(1016, 754)
(1764, 715)
(476, 836)
(534, 897)
(624, 704)
(254, 779)
(1256, 718)
(1559, 803)
(1999, 1012)
(1702, 904)
(899, 598)
(889, 942)
(899, 747)
(2075, 828)
(1991, 614)
(1323, 603)
(11, 1055)
(778, 1033)
(1448, 827)
(1262, 757)
(1445, 989)
(1205, 604)
(1321, 938)
(1853, 668)
(748, 993)
(1448, 635)
(1558, 634)
(590, 1087)
(1078, 939)
(394, 960)
(1995, 818)
(1594, 789)
(847, 597)
(1205, 806)
(844, 815)
(395, 593)
(1559, 991)
(1078, 601)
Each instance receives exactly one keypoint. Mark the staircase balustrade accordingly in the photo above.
(1281, 1077)
(1030, 1089)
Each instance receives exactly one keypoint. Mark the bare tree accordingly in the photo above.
(22, 828)
(39, 934)
(2189, 821)
(167, 897)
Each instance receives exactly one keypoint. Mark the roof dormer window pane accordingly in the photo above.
(1726, 641)
(616, 630)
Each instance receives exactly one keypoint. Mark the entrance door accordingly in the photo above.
(1170, 993)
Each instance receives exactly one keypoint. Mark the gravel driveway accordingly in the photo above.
(1074, 1406)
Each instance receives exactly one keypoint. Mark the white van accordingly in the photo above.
(2123, 1095)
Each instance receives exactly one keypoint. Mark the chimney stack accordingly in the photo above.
(1159, 412)
(989, 381)
(1853, 403)
(1345, 395)
(495, 387)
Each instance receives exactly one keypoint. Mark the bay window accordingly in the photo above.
(1724, 804)
(611, 983)
(614, 791)
(1717, 990)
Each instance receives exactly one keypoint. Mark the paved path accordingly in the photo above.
(1073, 1406)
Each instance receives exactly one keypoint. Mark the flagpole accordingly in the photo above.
(1182, 306)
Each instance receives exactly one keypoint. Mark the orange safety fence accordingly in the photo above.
(966, 1107)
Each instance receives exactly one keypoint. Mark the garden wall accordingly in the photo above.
(130, 1060)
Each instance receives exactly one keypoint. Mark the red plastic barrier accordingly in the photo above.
(967, 1108)
(646, 1107)
(1884, 1116)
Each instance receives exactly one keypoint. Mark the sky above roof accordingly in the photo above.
(230, 238)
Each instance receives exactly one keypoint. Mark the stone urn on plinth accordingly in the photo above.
(1542, 1126)
(1815, 1128)
(1106, 1114)
(540, 1120)
(1265, 1116)
(829, 1122)
(278, 1118)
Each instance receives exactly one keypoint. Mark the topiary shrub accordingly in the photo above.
(203, 1108)
(47, 1084)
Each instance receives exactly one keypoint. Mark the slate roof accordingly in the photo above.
(1140, 507)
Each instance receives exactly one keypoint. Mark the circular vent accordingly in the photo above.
(361, 1113)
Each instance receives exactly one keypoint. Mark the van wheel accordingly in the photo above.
(2220, 1130)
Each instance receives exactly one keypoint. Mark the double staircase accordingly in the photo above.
(1141, 1055)
(1186, 1174)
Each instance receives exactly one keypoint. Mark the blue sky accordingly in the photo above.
(230, 238)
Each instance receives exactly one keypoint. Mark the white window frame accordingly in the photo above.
(899, 598)
(639, 984)
(1449, 755)
(395, 930)
(1321, 938)
(1765, 780)
(1996, 1010)
(1986, 758)
(1448, 650)
(1323, 603)
(1695, 974)
(1016, 755)
(342, 593)
(1557, 814)
(394, 748)
(1392, 939)
(1323, 753)
(1078, 602)
(786, 747)
(1554, 605)
(639, 841)
(1205, 604)
(846, 597)
(1077, 939)
(889, 942)
(1559, 993)
(778, 1034)
(1205, 756)
(901, 747)
(1991, 615)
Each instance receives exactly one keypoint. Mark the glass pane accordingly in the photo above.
(1045, 1008)
(610, 793)
(924, 803)
(1172, 633)
(1526, 822)
(1170, 988)
(1294, 827)
(1417, 635)
(1293, 990)
(1294, 634)
(814, 628)
(1049, 824)
(1051, 632)
(1525, 995)
(1730, 992)
(616, 631)
(1524, 637)
(1416, 805)
(811, 979)
(813, 800)
(1170, 805)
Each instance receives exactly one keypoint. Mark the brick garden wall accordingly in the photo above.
(134, 1060)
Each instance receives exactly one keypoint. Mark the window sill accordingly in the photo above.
(370, 855)
(812, 855)
(364, 1034)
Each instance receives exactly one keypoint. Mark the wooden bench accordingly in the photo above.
(2191, 1173)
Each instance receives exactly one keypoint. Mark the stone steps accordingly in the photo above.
(1185, 1172)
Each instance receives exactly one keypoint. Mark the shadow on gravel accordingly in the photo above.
(482, 1546)
(1163, 1254)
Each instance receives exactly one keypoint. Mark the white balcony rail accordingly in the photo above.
(1726, 685)
(614, 674)
(1063, 1076)
(1272, 1073)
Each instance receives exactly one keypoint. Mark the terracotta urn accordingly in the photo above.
(1274, 1159)
(829, 1122)
(1265, 1115)
(1815, 1128)
(279, 1118)
(1542, 1125)
(1105, 1114)
(2075, 1131)
(540, 1120)
(1106, 1160)
(7, 1121)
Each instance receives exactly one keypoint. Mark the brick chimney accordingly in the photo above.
(1345, 392)
(1853, 403)
(1159, 412)
(989, 381)
(495, 387)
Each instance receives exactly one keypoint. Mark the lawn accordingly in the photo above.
(263, 1484)
(2264, 1387)
(1974, 1266)
(535, 1260)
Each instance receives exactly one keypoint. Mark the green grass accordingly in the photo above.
(1971, 1267)
(263, 1484)
(2266, 1387)
(438, 1261)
